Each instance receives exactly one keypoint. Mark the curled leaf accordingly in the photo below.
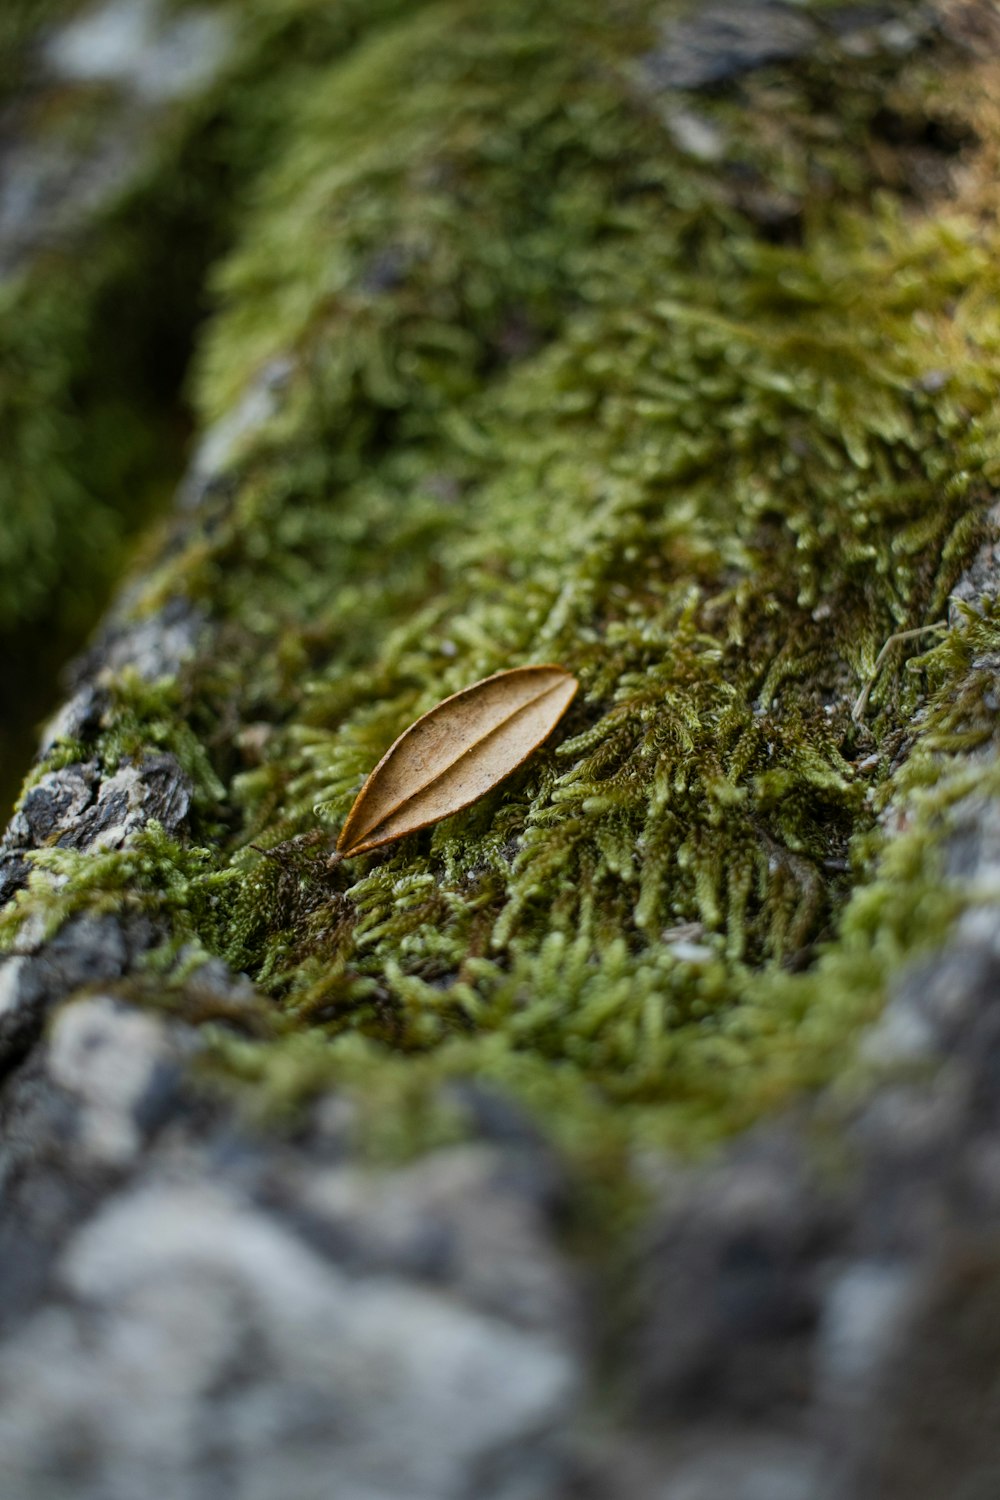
(455, 753)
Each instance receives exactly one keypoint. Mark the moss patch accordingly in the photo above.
(705, 434)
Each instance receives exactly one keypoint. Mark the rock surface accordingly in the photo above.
(145, 60)
(199, 1304)
(201, 1308)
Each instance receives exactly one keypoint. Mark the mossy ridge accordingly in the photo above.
(78, 399)
(661, 520)
(627, 1053)
(650, 497)
(90, 417)
(741, 781)
(94, 337)
(402, 228)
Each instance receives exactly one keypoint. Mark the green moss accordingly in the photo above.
(20, 22)
(557, 393)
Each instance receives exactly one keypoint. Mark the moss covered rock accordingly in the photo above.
(662, 347)
(524, 352)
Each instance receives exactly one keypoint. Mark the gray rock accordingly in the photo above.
(153, 646)
(732, 1281)
(87, 950)
(744, 1468)
(75, 808)
(696, 135)
(718, 42)
(462, 1217)
(864, 1310)
(221, 444)
(147, 57)
(78, 717)
(73, 1119)
(47, 193)
(235, 1314)
(810, 1301)
(981, 581)
(141, 47)
(933, 1432)
(53, 806)
(195, 1337)
(155, 789)
(715, 44)
(120, 1067)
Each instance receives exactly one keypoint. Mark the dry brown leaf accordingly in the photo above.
(455, 753)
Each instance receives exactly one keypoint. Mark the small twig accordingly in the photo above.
(281, 852)
(269, 853)
(861, 702)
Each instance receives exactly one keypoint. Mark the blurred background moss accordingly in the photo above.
(120, 166)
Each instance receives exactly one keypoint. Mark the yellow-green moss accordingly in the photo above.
(559, 392)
